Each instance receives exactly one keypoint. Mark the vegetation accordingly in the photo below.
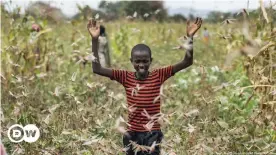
(224, 103)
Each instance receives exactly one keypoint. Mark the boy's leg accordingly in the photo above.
(127, 144)
(149, 139)
(143, 138)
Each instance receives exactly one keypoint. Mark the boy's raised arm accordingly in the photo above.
(94, 31)
(188, 59)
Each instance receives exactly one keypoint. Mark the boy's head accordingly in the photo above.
(141, 58)
(205, 28)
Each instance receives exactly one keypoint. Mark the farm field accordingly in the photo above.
(225, 102)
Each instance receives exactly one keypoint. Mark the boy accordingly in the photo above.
(142, 88)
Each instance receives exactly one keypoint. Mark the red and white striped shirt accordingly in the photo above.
(142, 95)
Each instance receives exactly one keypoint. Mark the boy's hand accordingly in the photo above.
(193, 27)
(93, 29)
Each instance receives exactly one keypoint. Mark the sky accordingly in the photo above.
(69, 8)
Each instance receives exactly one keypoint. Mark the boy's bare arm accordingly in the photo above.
(94, 31)
(192, 28)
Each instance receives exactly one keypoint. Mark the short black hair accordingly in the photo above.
(141, 47)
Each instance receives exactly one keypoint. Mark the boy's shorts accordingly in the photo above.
(143, 138)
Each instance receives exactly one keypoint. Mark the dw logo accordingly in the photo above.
(17, 133)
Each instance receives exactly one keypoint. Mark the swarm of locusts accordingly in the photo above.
(224, 103)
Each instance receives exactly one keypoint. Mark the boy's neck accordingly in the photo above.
(141, 77)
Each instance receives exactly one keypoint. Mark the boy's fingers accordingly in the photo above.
(188, 22)
(89, 22)
(200, 22)
(196, 20)
(88, 26)
(94, 22)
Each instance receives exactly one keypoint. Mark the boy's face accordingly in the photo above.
(141, 61)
